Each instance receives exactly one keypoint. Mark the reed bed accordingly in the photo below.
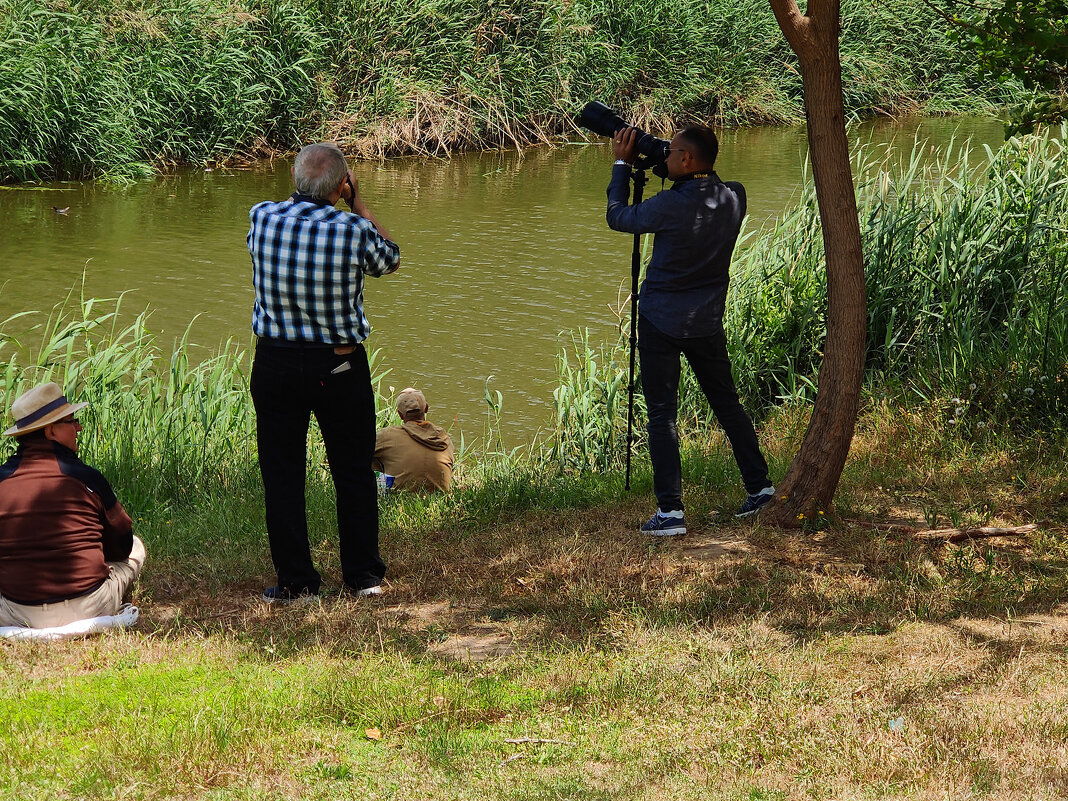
(118, 88)
(967, 268)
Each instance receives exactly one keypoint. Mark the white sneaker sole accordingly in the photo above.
(368, 591)
(678, 531)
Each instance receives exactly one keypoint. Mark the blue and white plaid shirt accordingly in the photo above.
(308, 263)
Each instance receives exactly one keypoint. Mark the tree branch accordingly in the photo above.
(980, 532)
(796, 27)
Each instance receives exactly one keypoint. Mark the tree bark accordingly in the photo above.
(812, 478)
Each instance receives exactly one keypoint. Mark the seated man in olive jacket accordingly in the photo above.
(417, 453)
(67, 549)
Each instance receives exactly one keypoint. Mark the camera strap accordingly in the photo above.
(692, 175)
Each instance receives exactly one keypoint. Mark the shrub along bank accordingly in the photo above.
(122, 87)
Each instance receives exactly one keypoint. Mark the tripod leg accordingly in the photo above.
(638, 176)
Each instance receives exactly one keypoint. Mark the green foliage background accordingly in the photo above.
(121, 87)
(1024, 41)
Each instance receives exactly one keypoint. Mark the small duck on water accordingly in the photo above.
(61, 211)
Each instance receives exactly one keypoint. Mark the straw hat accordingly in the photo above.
(410, 400)
(37, 407)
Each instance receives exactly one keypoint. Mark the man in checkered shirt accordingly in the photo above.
(308, 264)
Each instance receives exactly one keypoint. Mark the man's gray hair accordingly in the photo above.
(319, 169)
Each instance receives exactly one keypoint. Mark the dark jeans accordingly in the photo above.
(288, 384)
(660, 368)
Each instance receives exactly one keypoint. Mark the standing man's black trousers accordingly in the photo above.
(289, 382)
(660, 370)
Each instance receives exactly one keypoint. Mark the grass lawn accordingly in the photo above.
(532, 645)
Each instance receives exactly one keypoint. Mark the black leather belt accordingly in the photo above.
(295, 344)
(343, 349)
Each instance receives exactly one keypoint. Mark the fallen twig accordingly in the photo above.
(522, 740)
(224, 613)
(947, 534)
(424, 719)
(1027, 621)
(980, 532)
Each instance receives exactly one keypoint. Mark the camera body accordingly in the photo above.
(602, 120)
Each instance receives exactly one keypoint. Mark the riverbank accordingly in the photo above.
(118, 89)
(532, 644)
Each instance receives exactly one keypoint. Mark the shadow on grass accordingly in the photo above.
(556, 562)
(565, 579)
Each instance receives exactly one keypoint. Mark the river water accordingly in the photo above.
(502, 254)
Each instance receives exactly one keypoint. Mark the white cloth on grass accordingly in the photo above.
(127, 616)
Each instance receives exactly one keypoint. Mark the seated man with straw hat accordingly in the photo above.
(67, 549)
(417, 453)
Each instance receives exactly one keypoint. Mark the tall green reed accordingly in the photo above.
(590, 406)
(114, 87)
(964, 260)
(164, 428)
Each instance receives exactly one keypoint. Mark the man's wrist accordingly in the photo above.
(620, 161)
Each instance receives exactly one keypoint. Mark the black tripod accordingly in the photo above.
(638, 177)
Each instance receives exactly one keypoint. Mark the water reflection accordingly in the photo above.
(501, 252)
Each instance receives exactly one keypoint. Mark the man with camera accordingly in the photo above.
(309, 260)
(681, 304)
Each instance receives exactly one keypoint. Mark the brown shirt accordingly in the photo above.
(60, 524)
(418, 454)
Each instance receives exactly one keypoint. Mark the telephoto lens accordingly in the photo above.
(602, 120)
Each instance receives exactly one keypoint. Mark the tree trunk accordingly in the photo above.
(812, 478)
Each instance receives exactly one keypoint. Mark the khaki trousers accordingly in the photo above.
(104, 600)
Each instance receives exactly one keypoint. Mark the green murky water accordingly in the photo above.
(501, 253)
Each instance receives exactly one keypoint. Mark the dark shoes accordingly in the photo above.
(280, 596)
(365, 592)
(754, 503)
(665, 524)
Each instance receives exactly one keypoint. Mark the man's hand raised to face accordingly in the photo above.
(351, 194)
(623, 144)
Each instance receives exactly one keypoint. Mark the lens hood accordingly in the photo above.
(604, 121)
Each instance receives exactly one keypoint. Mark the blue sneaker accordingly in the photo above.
(754, 503)
(665, 524)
